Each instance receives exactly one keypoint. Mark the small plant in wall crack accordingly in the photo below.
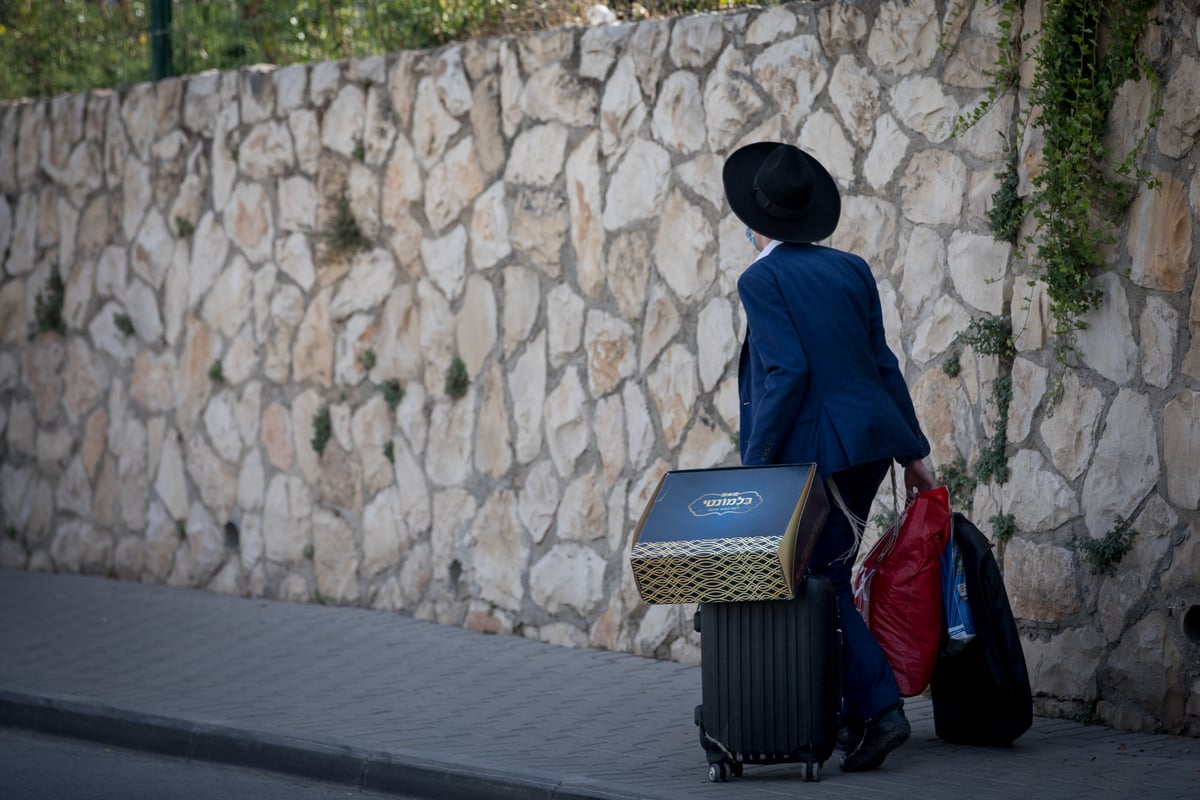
(344, 234)
(993, 461)
(1003, 527)
(322, 429)
(1008, 209)
(389, 451)
(952, 366)
(49, 305)
(991, 336)
(958, 482)
(1105, 553)
(367, 359)
(124, 324)
(456, 379)
(216, 372)
(393, 393)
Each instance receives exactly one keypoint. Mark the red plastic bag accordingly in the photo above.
(898, 589)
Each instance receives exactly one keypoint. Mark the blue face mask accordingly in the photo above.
(750, 238)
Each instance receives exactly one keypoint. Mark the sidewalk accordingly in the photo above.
(390, 703)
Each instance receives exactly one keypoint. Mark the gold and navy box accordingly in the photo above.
(726, 534)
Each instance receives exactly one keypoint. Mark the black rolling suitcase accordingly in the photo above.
(771, 680)
(982, 695)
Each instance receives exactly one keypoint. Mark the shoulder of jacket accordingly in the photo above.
(759, 270)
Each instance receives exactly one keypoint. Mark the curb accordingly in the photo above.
(331, 760)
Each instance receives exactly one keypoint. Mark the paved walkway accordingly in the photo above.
(385, 702)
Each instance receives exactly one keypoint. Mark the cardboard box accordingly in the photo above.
(720, 535)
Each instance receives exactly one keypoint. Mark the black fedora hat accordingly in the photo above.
(782, 192)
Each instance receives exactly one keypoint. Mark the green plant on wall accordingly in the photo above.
(952, 365)
(885, 519)
(991, 336)
(1005, 73)
(1008, 209)
(124, 324)
(1003, 527)
(367, 359)
(1087, 50)
(1103, 554)
(993, 460)
(344, 234)
(958, 482)
(393, 393)
(456, 378)
(48, 308)
(322, 426)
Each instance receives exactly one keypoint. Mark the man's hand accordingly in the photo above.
(917, 478)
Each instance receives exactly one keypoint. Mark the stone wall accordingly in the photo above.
(548, 210)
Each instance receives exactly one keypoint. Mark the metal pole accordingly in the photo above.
(160, 39)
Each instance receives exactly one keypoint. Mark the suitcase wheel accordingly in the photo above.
(719, 771)
(812, 772)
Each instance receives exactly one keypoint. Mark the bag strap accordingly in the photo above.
(895, 493)
(857, 525)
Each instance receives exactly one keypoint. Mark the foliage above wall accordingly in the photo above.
(76, 45)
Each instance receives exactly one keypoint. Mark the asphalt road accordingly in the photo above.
(37, 767)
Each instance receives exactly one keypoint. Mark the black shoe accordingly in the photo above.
(850, 733)
(883, 734)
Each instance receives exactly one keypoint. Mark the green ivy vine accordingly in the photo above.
(1087, 50)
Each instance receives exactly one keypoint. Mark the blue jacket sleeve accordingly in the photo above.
(782, 368)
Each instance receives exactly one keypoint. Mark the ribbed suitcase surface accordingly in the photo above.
(770, 680)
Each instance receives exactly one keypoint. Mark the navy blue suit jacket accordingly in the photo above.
(817, 380)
